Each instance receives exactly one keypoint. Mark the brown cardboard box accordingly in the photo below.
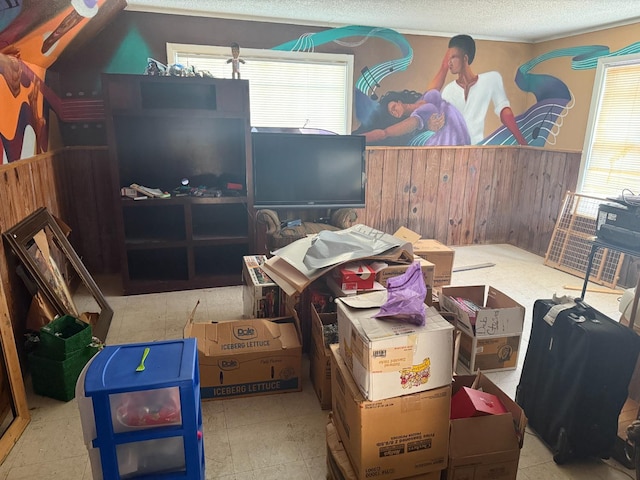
(393, 438)
(261, 297)
(493, 342)
(393, 270)
(338, 464)
(433, 251)
(246, 357)
(486, 447)
(320, 355)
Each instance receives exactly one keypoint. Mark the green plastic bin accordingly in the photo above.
(57, 378)
(64, 337)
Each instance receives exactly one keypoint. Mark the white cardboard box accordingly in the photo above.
(389, 358)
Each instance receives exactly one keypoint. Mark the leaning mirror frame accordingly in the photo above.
(21, 236)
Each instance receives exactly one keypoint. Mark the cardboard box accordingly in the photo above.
(393, 270)
(338, 463)
(389, 358)
(261, 297)
(394, 438)
(433, 251)
(354, 276)
(246, 357)
(320, 354)
(492, 342)
(486, 447)
(490, 354)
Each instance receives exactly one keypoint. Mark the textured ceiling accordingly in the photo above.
(509, 20)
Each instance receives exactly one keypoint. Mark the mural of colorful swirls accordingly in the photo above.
(32, 36)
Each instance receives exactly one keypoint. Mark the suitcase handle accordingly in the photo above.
(585, 310)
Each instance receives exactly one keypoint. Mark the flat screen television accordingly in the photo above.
(299, 170)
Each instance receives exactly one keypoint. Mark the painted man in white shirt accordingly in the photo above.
(471, 93)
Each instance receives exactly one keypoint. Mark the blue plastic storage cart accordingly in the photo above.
(143, 424)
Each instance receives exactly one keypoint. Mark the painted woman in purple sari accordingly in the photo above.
(420, 119)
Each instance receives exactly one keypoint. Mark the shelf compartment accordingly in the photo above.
(162, 95)
(213, 221)
(154, 223)
(163, 264)
(220, 260)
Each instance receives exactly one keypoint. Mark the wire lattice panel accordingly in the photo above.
(571, 241)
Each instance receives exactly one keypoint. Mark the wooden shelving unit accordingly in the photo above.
(161, 130)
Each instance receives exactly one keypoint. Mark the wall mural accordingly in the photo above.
(32, 36)
(455, 113)
(34, 33)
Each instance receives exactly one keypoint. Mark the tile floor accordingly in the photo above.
(282, 436)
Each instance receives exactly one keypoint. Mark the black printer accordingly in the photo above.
(619, 224)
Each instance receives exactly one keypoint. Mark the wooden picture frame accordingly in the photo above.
(39, 242)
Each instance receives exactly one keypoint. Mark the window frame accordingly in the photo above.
(174, 49)
(597, 97)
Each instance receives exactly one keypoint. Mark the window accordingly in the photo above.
(611, 155)
(287, 89)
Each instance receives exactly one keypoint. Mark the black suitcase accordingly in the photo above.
(575, 379)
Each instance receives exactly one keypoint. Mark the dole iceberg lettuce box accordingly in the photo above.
(245, 357)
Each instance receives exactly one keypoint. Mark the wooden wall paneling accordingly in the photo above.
(519, 182)
(458, 192)
(553, 194)
(81, 198)
(510, 193)
(375, 161)
(500, 216)
(403, 189)
(417, 190)
(389, 188)
(46, 192)
(471, 189)
(104, 222)
(569, 178)
(430, 158)
(485, 192)
(20, 192)
(96, 242)
(540, 202)
(529, 169)
(441, 211)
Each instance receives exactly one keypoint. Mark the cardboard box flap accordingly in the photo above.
(497, 299)
(189, 326)
(482, 435)
(408, 235)
(475, 293)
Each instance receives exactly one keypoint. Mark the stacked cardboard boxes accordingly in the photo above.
(391, 392)
(394, 438)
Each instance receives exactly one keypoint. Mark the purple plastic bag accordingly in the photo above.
(405, 297)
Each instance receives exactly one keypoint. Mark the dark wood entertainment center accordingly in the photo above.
(161, 130)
